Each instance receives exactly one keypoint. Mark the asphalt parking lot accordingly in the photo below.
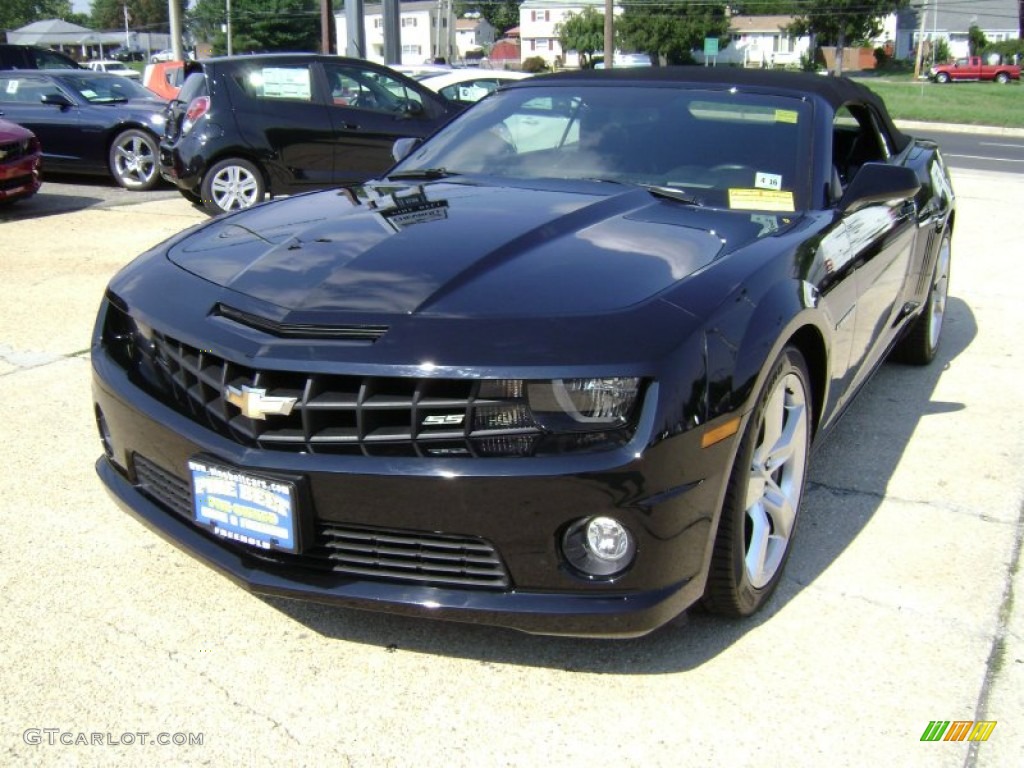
(901, 604)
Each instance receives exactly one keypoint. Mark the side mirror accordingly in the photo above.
(878, 183)
(402, 148)
(56, 100)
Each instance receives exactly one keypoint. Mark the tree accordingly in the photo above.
(148, 15)
(15, 14)
(976, 40)
(668, 31)
(503, 15)
(258, 25)
(839, 22)
(583, 33)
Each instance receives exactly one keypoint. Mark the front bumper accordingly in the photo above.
(666, 494)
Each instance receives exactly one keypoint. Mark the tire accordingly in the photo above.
(921, 342)
(942, 77)
(762, 499)
(133, 160)
(1002, 78)
(231, 185)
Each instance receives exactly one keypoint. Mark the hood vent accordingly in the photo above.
(353, 332)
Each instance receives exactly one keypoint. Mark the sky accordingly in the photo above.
(80, 6)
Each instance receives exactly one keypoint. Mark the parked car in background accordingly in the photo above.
(20, 163)
(88, 122)
(974, 68)
(114, 67)
(567, 388)
(128, 54)
(165, 55)
(247, 126)
(466, 86)
(164, 78)
(33, 57)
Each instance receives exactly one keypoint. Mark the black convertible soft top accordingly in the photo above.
(837, 91)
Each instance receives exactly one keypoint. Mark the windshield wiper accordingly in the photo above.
(673, 193)
(423, 173)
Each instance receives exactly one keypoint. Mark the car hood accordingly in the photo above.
(461, 249)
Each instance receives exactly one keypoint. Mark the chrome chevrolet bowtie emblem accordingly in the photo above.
(255, 404)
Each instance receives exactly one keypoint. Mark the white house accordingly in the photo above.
(762, 41)
(950, 20)
(472, 34)
(538, 28)
(425, 28)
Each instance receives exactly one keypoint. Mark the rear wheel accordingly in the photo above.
(1002, 78)
(231, 185)
(133, 160)
(763, 497)
(921, 342)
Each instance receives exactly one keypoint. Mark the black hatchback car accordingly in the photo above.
(245, 127)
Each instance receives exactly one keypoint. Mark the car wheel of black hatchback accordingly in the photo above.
(762, 499)
(231, 185)
(133, 160)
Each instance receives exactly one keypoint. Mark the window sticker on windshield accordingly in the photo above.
(286, 83)
(12, 86)
(761, 200)
(785, 116)
(767, 180)
(89, 93)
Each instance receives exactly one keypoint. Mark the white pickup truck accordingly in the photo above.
(114, 68)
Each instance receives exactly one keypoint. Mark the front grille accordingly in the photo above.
(361, 551)
(325, 413)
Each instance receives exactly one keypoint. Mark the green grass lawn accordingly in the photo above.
(970, 103)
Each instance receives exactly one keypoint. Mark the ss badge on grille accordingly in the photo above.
(447, 420)
(255, 404)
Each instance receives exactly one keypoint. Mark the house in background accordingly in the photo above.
(426, 31)
(761, 41)
(950, 20)
(538, 28)
(473, 34)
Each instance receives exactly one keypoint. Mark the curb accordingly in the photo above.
(980, 130)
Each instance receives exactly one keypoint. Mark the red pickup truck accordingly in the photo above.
(972, 68)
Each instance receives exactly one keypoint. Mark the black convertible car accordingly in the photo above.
(560, 370)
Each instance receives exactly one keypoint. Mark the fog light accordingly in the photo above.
(599, 546)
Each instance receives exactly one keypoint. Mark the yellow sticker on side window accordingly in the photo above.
(761, 200)
(785, 116)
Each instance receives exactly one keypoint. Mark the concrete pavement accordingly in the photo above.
(901, 603)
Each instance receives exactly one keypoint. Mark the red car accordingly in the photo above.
(20, 162)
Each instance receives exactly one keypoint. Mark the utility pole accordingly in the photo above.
(326, 27)
(920, 44)
(174, 13)
(127, 39)
(228, 27)
(609, 33)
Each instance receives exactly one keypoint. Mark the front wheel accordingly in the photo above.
(763, 496)
(231, 185)
(942, 77)
(133, 160)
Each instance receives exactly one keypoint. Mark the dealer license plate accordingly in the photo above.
(253, 510)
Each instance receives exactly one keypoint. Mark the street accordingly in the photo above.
(901, 603)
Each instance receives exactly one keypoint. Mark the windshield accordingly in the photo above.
(107, 89)
(722, 148)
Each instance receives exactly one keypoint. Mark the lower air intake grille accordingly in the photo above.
(362, 551)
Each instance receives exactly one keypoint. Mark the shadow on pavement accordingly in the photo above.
(832, 517)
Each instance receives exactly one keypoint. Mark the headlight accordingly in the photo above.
(583, 404)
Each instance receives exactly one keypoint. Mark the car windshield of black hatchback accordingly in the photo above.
(722, 148)
(108, 90)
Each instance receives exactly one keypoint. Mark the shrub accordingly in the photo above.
(535, 65)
